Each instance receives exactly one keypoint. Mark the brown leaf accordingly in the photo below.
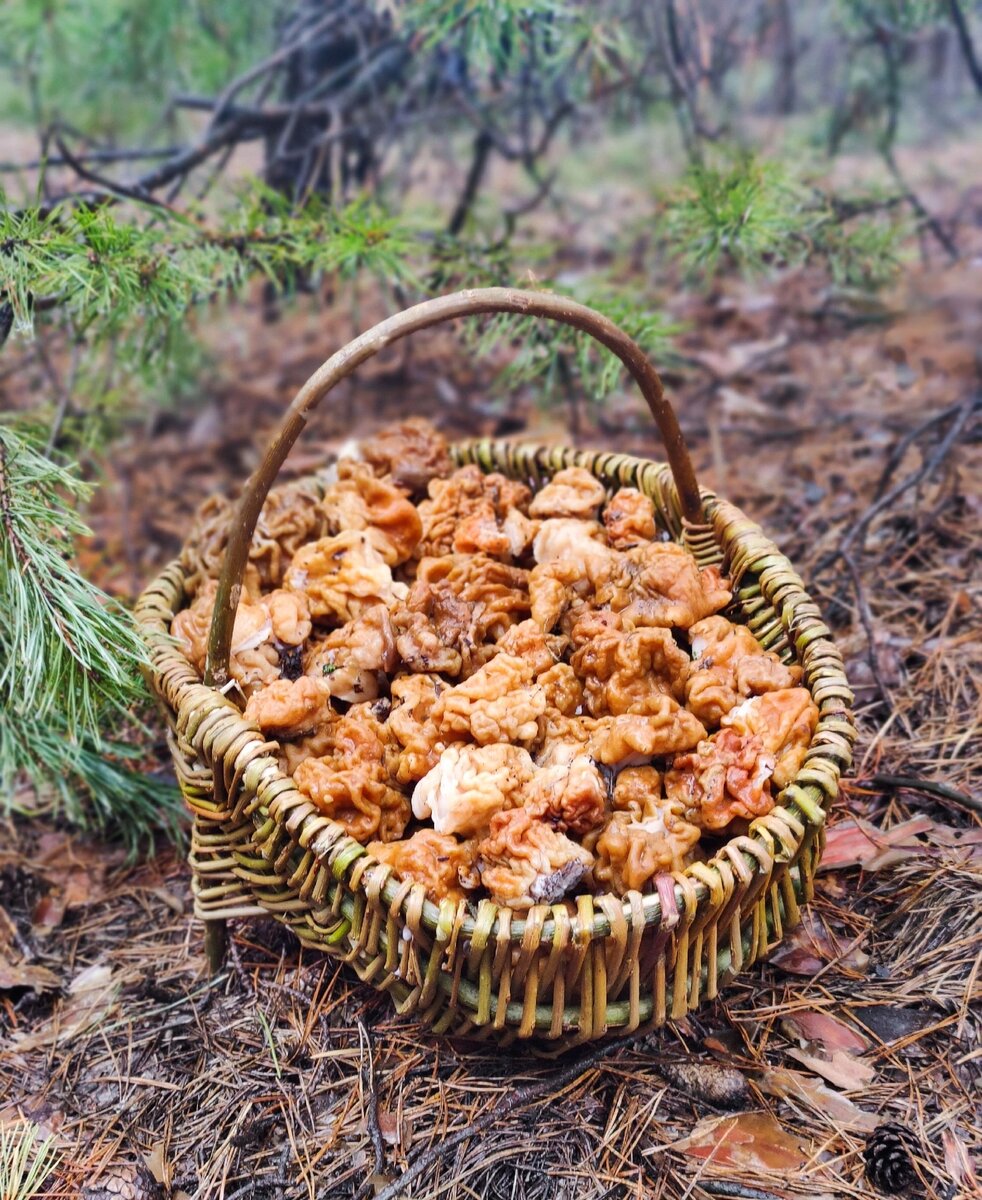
(724, 1042)
(753, 1140)
(967, 840)
(27, 975)
(174, 903)
(857, 843)
(157, 1163)
(841, 1068)
(36, 1109)
(812, 1026)
(388, 1124)
(734, 404)
(91, 996)
(77, 872)
(738, 358)
(809, 947)
(796, 958)
(959, 1163)
(793, 1085)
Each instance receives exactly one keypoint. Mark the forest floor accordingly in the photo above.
(853, 434)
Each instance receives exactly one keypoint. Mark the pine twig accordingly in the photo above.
(724, 1187)
(896, 456)
(965, 42)
(933, 787)
(857, 531)
(483, 145)
(84, 171)
(872, 656)
(90, 156)
(370, 1102)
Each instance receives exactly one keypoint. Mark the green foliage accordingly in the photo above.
(748, 214)
(69, 656)
(864, 255)
(563, 47)
(91, 781)
(495, 33)
(106, 65)
(737, 214)
(67, 647)
(111, 275)
(466, 263)
(26, 1160)
(553, 357)
(905, 16)
(556, 357)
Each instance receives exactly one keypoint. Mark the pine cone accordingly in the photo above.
(131, 1181)
(887, 1157)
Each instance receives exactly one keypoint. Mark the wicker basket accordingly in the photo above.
(260, 847)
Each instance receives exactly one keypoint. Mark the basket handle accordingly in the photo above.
(341, 364)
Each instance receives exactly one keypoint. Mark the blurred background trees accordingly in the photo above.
(164, 159)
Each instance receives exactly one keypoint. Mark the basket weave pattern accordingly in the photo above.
(260, 847)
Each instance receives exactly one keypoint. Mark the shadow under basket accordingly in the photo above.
(261, 848)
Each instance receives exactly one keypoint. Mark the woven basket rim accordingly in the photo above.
(775, 838)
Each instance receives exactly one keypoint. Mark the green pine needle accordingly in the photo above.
(111, 275)
(26, 1161)
(88, 781)
(67, 648)
(70, 660)
(748, 214)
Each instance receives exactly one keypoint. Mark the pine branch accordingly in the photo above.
(107, 273)
(69, 662)
(89, 781)
(555, 357)
(960, 22)
(67, 648)
(750, 214)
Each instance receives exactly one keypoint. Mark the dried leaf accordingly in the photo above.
(736, 359)
(157, 1163)
(27, 975)
(836, 1108)
(857, 843)
(969, 841)
(809, 947)
(389, 1128)
(796, 959)
(959, 1163)
(174, 903)
(754, 1141)
(37, 1109)
(841, 1068)
(91, 997)
(724, 1042)
(77, 872)
(812, 1026)
(733, 405)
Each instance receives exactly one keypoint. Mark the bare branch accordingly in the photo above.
(966, 43)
